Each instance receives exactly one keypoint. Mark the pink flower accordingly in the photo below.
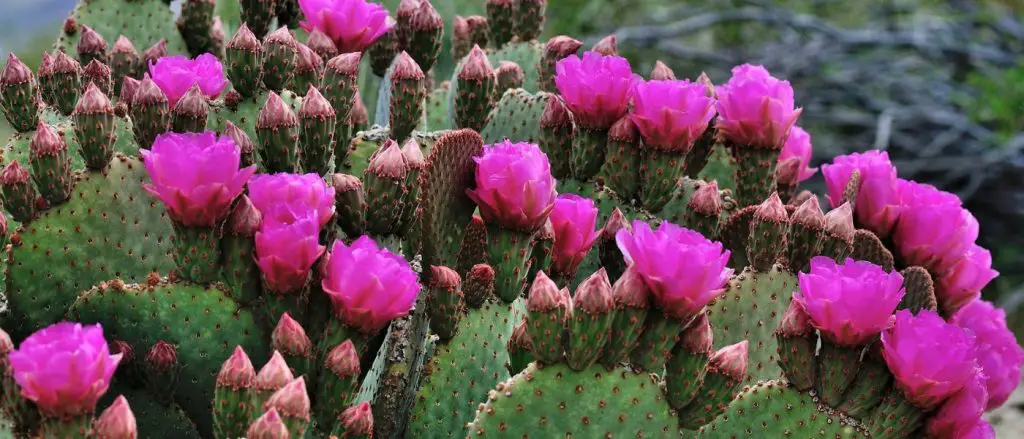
(176, 74)
(878, 201)
(964, 281)
(798, 148)
(934, 231)
(514, 186)
(672, 115)
(286, 253)
(683, 269)
(959, 414)
(64, 368)
(573, 219)
(931, 359)
(196, 176)
(353, 25)
(981, 430)
(286, 198)
(755, 109)
(368, 286)
(850, 303)
(999, 355)
(597, 88)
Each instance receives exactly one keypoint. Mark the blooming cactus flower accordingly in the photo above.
(878, 201)
(963, 282)
(999, 355)
(286, 198)
(353, 25)
(934, 231)
(683, 269)
(597, 88)
(573, 219)
(514, 186)
(797, 150)
(755, 109)
(930, 359)
(960, 412)
(64, 368)
(672, 115)
(981, 430)
(286, 253)
(368, 286)
(196, 175)
(850, 303)
(176, 74)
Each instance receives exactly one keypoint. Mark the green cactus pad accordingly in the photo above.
(437, 107)
(446, 207)
(109, 228)
(144, 22)
(772, 409)
(751, 309)
(720, 167)
(153, 418)
(515, 117)
(203, 324)
(17, 147)
(462, 371)
(553, 401)
(527, 55)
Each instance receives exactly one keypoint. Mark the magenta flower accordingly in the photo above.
(368, 286)
(64, 368)
(573, 218)
(878, 201)
(959, 414)
(798, 148)
(353, 25)
(999, 355)
(597, 88)
(196, 175)
(964, 281)
(683, 269)
(931, 359)
(981, 430)
(286, 198)
(755, 109)
(514, 186)
(672, 115)
(176, 74)
(286, 253)
(934, 231)
(849, 304)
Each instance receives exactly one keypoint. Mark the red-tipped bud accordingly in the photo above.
(358, 420)
(268, 426)
(217, 33)
(62, 63)
(483, 272)
(155, 52)
(237, 372)
(710, 86)
(616, 221)
(546, 232)
(476, 67)
(291, 400)
(839, 222)
(358, 116)
(631, 290)
(275, 374)
(129, 87)
(520, 338)
(698, 336)
(307, 60)
(544, 295)
(346, 64)
(282, 36)
(413, 154)
(731, 360)
(193, 104)
(93, 101)
(444, 277)
(116, 422)
(594, 295)
(389, 162)
(344, 183)
(240, 137)
(245, 40)
(276, 114)
(125, 46)
(6, 345)
(809, 214)
(406, 68)
(45, 65)
(46, 141)
(624, 131)
(425, 18)
(3, 233)
(608, 46)
(15, 72)
(70, 26)
(315, 106)
(555, 114)
(561, 46)
(126, 350)
(772, 210)
(289, 337)
(788, 171)
(343, 360)
(662, 72)
(795, 322)
(320, 43)
(245, 219)
(460, 28)
(510, 75)
(162, 357)
(706, 200)
(148, 93)
(98, 73)
(91, 44)
(14, 173)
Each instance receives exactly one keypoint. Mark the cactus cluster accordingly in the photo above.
(208, 239)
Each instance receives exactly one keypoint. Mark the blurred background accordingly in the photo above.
(937, 83)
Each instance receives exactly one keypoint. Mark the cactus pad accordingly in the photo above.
(773, 409)
(144, 22)
(18, 145)
(446, 207)
(154, 419)
(527, 55)
(515, 117)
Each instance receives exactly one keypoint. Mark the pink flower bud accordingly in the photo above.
(286, 254)
(196, 175)
(999, 355)
(237, 372)
(274, 375)
(64, 368)
(358, 420)
(176, 74)
(368, 286)
(731, 360)
(573, 219)
(756, 109)
(353, 25)
(268, 426)
(698, 336)
(597, 88)
(671, 115)
(544, 294)
(850, 303)
(683, 269)
(798, 147)
(514, 186)
(795, 322)
(162, 357)
(288, 198)
(343, 360)
(116, 422)
(878, 201)
(46, 141)
(706, 200)
(964, 281)
(292, 400)
(14, 72)
(594, 295)
(289, 337)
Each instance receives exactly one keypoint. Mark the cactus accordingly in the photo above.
(457, 330)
